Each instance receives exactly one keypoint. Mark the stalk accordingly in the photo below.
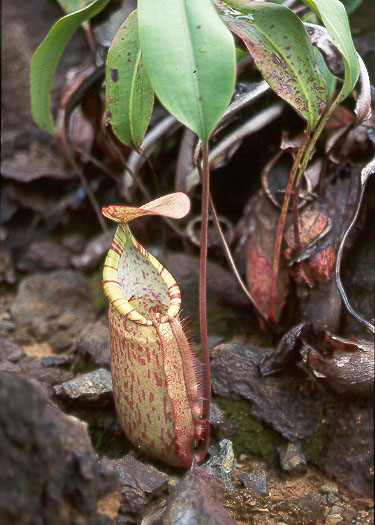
(201, 451)
(281, 226)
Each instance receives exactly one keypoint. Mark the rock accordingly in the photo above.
(196, 500)
(349, 515)
(43, 256)
(278, 401)
(87, 388)
(7, 270)
(56, 361)
(31, 367)
(74, 242)
(10, 351)
(220, 423)
(94, 252)
(93, 345)
(292, 458)
(329, 487)
(220, 464)
(349, 455)
(336, 510)
(140, 484)
(60, 299)
(50, 473)
(222, 288)
(256, 481)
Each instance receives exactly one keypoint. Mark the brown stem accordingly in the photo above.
(297, 239)
(280, 229)
(201, 451)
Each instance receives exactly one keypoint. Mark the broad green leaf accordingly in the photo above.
(330, 79)
(281, 49)
(70, 6)
(190, 58)
(129, 92)
(335, 19)
(46, 58)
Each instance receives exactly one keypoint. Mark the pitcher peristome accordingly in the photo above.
(155, 382)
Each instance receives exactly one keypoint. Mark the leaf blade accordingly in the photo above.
(189, 54)
(46, 58)
(335, 19)
(129, 92)
(281, 49)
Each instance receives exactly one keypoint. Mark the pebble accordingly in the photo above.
(94, 386)
(292, 458)
(256, 481)
(220, 464)
(336, 510)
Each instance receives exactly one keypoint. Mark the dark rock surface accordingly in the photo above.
(31, 367)
(196, 500)
(59, 301)
(220, 463)
(140, 484)
(292, 458)
(93, 387)
(222, 288)
(43, 256)
(94, 252)
(49, 471)
(220, 423)
(92, 346)
(255, 481)
(278, 401)
(10, 351)
(350, 452)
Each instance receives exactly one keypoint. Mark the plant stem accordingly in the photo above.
(280, 228)
(201, 451)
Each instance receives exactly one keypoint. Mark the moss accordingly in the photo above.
(251, 437)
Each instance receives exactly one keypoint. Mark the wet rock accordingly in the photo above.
(87, 388)
(350, 452)
(256, 481)
(10, 351)
(50, 473)
(140, 484)
(278, 401)
(43, 256)
(196, 500)
(220, 464)
(32, 368)
(222, 288)
(60, 299)
(93, 345)
(292, 458)
(221, 424)
(94, 252)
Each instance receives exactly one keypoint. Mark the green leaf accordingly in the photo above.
(129, 92)
(329, 77)
(70, 6)
(335, 19)
(190, 58)
(281, 49)
(46, 58)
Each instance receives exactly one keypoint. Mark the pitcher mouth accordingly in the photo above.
(114, 291)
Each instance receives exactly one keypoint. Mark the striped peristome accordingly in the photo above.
(155, 383)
